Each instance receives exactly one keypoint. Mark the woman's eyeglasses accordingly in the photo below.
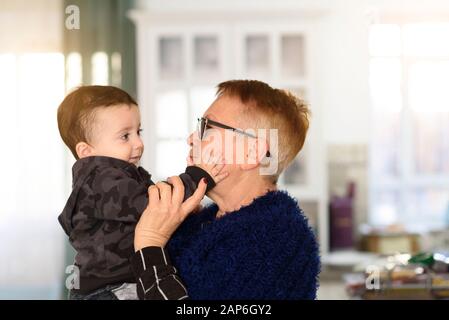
(205, 123)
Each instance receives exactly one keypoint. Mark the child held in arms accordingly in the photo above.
(101, 127)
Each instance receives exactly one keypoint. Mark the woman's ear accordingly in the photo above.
(83, 150)
(257, 150)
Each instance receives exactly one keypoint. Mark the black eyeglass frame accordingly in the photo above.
(204, 122)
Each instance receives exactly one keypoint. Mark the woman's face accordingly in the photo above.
(217, 141)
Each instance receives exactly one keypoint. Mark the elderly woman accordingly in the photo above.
(254, 242)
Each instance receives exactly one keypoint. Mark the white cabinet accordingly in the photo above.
(183, 56)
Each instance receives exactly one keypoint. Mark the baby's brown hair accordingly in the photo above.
(76, 113)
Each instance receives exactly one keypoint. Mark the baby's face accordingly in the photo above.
(116, 133)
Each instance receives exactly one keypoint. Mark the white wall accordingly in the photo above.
(31, 26)
(343, 74)
(194, 5)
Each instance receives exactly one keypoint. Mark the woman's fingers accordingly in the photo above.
(216, 160)
(164, 212)
(220, 177)
(178, 190)
(191, 203)
(209, 157)
(165, 193)
(153, 196)
(216, 169)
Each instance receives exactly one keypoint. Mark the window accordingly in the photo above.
(183, 89)
(32, 164)
(100, 68)
(409, 82)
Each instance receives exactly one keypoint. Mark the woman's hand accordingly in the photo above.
(213, 164)
(165, 212)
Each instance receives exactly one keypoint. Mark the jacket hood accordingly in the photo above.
(81, 171)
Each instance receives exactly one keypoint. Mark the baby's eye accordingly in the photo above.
(125, 136)
(139, 131)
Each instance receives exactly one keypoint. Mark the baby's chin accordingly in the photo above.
(135, 160)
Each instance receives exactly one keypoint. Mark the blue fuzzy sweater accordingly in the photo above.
(263, 251)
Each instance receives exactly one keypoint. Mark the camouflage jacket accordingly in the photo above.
(108, 196)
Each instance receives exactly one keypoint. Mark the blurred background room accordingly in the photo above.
(373, 177)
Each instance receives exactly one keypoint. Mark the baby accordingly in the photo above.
(101, 127)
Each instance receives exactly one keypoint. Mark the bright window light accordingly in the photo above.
(171, 114)
(426, 39)
(100, 69)
(33, 174)
(409, 82)
(74, 76)
(385, 83)
(429, 86)
(385, 40)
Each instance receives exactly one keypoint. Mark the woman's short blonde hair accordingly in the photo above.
(270, 108)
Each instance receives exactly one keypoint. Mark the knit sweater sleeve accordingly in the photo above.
(156, 278)
(263, 261)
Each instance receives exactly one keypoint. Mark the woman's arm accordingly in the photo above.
(156, 277)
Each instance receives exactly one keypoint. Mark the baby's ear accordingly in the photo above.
(83, 150)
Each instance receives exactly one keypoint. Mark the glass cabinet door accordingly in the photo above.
(171, 114)
(171, 132)
(292, 56)
(201, 97)
(257, 50)
(206, 56)
(171, 58)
